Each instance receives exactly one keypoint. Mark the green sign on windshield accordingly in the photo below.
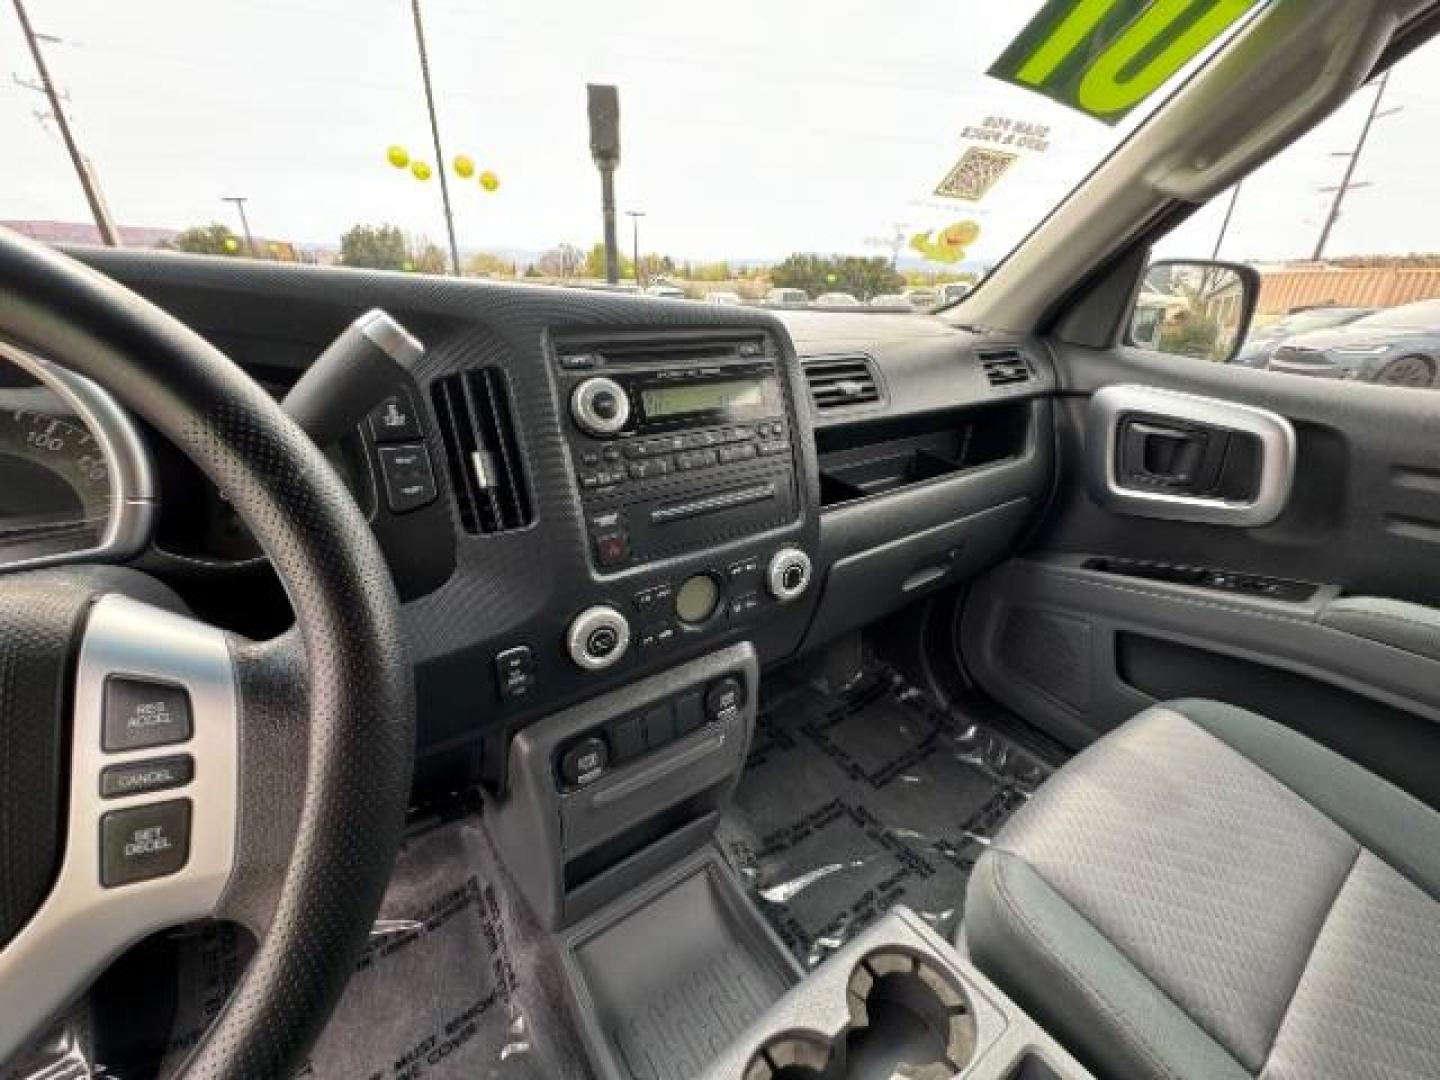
(1104, 57)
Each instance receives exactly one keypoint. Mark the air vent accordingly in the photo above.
(483, 453)
(841, 382)
(1005, 367)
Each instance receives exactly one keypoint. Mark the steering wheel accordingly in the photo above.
(288, 762)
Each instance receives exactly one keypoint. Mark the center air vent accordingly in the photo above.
(1005, 367)
(841, 382)
(482, 451)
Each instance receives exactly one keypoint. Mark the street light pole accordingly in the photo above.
(435, 136)
(1225, 225)
(240, 201)
(109, 234)
(635, 216)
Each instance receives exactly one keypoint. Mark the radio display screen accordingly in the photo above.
(734, 398)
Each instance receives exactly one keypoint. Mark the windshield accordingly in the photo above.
(856, 148)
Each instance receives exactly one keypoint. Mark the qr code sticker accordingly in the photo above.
(977, 171)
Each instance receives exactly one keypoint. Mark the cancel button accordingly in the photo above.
(142, 777)
(140, 713)
(144, 842)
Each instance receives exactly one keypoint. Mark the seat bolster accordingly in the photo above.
(1397, 827)
(1077, 985)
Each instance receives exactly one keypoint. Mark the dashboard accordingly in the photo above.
(575, 490)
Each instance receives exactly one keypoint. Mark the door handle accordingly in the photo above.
(1166, 454)
(1184, 458)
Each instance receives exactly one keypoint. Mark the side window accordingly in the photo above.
(1342, 231)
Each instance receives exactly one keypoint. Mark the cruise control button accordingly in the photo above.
(140, 714)
(144, 842)
(143, 777)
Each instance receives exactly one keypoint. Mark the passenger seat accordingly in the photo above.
(1206, 894)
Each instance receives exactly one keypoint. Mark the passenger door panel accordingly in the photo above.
(1112, 609)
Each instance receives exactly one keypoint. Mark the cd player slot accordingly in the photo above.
(711, 504)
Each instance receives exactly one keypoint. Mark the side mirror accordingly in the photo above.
(1196, 309)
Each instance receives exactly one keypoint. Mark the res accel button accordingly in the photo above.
(141, 714)
(144, 842)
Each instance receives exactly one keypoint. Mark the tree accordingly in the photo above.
(379, 247)
(427, 258)
(212, 239)
(816, 274)
(563, 261)
(486, 264)
(595, 263)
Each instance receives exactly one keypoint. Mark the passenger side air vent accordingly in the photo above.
(486, 468)
(1005, 367)
(841, 382)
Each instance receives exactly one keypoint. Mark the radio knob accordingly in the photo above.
(600, 406)
(598, 638)
(789, 574)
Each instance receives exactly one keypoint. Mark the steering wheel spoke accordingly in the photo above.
(153, 804)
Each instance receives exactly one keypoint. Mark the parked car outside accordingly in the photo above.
(1396, 347)
(836, 299)
(724, 298)
(1260, 346)
(954, 291)
(787, 298)
(922, 298)
(666, 292)
(890, 300)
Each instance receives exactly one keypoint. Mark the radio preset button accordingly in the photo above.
(729, 455)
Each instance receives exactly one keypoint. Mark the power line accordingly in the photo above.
(109, 234)
(240, 201)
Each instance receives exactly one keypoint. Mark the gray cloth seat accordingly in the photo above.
(1204, 893)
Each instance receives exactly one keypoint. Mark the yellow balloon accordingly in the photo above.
(489, 181)
(464, 166)
(420, 170)
(398, 156)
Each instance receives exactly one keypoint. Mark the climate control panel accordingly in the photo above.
(706, 602)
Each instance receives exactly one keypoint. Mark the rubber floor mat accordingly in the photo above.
(456, 982)
(852, 803)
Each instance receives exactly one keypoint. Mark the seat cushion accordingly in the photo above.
(1204, 893)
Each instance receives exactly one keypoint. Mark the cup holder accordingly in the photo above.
(908, 1018)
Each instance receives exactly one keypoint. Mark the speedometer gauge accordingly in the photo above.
(75, 481)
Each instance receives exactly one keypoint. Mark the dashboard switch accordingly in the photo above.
(395, 420)
(409, 479)
(724, 698)
(598, 638)
(515, 672)
(143, 777)
(584, 762)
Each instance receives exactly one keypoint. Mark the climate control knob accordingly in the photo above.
(600, 406)
(598, 638)
(789, 574)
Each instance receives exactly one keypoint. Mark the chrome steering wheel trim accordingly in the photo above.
(82, 925)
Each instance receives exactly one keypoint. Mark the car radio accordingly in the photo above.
(673, 456)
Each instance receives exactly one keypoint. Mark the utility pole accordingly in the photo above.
(435, 136)
(109, 234)
(635, 216)
(1225, 225)
(240, 201)
(1348, 184)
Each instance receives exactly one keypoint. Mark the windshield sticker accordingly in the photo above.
(1105, 57)
(948, 245)
(978, 170)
